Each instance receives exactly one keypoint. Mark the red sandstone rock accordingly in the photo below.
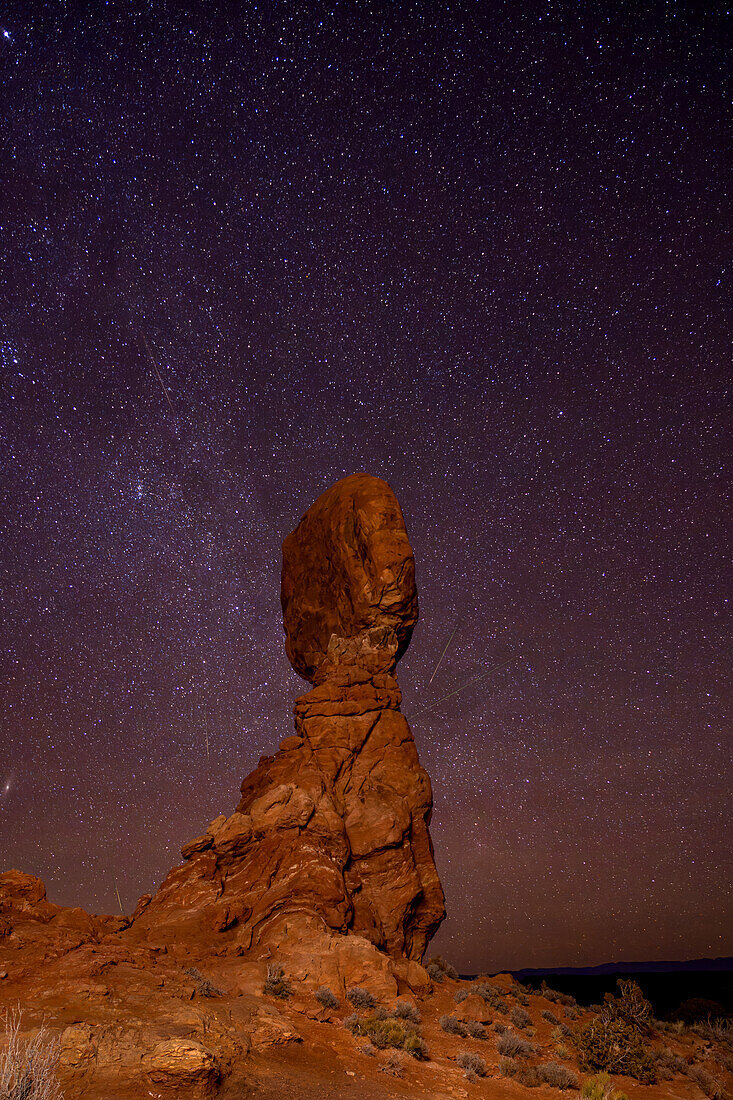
(348, 581)
(334, 827)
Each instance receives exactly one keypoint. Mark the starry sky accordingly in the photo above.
(476, 249)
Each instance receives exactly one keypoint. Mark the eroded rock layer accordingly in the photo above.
(334, 828)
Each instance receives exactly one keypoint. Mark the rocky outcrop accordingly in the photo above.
(332, 831)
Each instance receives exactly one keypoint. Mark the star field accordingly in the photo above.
(475, 249)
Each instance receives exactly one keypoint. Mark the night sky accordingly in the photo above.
(475, 249)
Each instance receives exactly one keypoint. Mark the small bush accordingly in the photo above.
(514, 1046)
(572, 1012)
(471, 1063)
(717, 1030)
(460, 996)
(670, 1061)
(276, 984)
(508, 1067)
(556, 1076)
(499, 1027)
(204, 987)
(434, 972)
(28, 1066)
(529, 1076)
(444, 967)
(519, 1017)
(549, 1016)
(327, 997)
(475, 1029)
(601, 1087)
(415, 1046)
(709, 1084)
(489, 994)
(615, 1046)
(452, 1025)
(562, 1051)
(367, 1048)
(360, 998)
(631, 1005)
(404, 1010)
(398, 1034)
(556, 996)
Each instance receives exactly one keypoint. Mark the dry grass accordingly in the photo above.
(204, 987)
(276, 984)
(28, 1066)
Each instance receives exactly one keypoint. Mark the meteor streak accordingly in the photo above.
(442, 655)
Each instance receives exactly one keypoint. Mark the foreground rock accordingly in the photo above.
(331, 834)
(138, 1021)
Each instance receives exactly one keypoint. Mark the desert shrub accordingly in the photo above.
(398, 1034)
(709, 1084)
(471, 1063)
(434, 972)
(444, 967)
(380, 1013)
(276, 984)
(360, 998)
(555, 996)
(499, 1027)
(491, 995)
(529, 1076)
(28, 1066)
(558, 1077)
(631, 1005)
(460, 996)
(204, 987)
(475, 1029)
(549, 1016)
(670, 1061)
(615, 1046)
(415, 1046)
(508, 1067)
(452, 1025)
(403, 1010)
(717, 1030)
(519, 1017)
(367, 1048)
(601, 1087)
(514, 1046)
(562, 1051)
(572, 1012)
(327, 997)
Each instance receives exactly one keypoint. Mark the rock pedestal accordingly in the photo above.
(331, 833)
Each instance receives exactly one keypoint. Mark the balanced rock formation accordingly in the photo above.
(331, 834)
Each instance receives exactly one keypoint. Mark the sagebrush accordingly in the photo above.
(28, 1066)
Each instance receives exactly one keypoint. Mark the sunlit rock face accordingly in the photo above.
(331, 833)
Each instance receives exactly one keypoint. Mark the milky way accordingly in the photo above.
(475, 249)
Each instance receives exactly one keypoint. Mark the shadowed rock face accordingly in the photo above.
(331, 833)
(348, 582)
